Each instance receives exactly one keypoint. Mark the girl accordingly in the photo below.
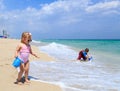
(22, 51)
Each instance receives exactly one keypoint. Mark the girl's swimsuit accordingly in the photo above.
(24, 53)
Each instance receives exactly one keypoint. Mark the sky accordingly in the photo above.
(61, 19)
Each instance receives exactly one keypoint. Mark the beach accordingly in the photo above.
(57, 68)
(8, 73)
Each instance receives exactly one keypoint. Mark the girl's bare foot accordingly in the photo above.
(27, 81)
(19, 83)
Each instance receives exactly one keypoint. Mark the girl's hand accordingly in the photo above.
(15, 56)
(36, 56)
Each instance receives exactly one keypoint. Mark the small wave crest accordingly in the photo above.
(59, 51)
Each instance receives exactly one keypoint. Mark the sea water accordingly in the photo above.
(100, 74)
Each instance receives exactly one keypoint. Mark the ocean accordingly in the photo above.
(102, 73)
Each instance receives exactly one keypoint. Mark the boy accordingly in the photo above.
(83, 55)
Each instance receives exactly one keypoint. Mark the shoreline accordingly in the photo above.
(9, 73)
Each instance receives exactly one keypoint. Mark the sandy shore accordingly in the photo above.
(8, 73)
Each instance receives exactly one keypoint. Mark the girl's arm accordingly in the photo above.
(17, 50)
(33, 53)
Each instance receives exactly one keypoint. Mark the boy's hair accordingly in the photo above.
(87, 49)
(26, 35)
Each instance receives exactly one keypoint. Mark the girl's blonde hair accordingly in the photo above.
(26, 35)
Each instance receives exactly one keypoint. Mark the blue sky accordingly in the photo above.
(61, 19)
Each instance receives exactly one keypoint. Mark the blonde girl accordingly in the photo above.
(22, 51)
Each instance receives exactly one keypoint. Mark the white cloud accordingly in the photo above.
(1, 5)
(104, 6)
(64, 11)
(64, 6)
(58, 15)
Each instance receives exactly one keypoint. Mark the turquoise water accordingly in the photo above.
(99, 45)
(98, 48)
(101, 74)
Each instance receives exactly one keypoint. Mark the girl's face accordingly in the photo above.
(27, 39)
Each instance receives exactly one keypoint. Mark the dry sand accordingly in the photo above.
(8, 73)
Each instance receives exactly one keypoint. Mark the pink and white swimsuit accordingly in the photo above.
(24, 53)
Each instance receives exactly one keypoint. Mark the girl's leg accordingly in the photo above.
(20, 72)
(26, 71)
